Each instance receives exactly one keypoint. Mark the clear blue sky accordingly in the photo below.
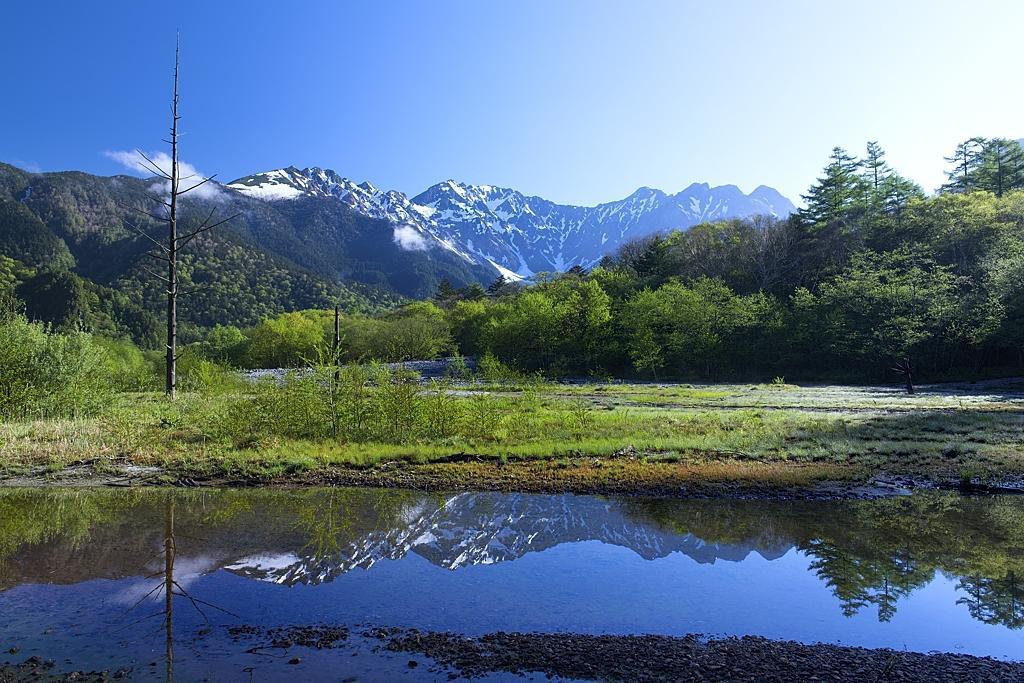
(579, 101)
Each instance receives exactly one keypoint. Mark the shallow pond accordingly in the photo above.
(83, 573)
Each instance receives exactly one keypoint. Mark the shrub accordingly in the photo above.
(441, 411)
(397, 404)
(579, 418)
(128, 367)
(493, 371)
(44, 374)
(483, 418)
(457, 368)
(354, 403)
(196, 373)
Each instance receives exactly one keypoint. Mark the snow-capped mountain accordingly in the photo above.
(471, 529)
(517, 235)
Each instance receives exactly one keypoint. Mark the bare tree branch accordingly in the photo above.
(154, 216)
(203, 602)
(199, 184)
(194, 290)
(155, 274)
(158, 257)
(159, 200)
(152, 166)
(182, 241)
(145, 234)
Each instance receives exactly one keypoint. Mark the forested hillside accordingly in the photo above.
(872, 280)
(75, 252)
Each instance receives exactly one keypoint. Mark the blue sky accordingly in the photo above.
(580, 101)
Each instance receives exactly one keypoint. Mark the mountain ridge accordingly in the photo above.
(517, 234)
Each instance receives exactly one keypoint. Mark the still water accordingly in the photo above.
(84, 573)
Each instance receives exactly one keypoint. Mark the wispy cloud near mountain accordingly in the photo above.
(190, 175)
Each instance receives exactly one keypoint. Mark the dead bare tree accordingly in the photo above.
(168, 251)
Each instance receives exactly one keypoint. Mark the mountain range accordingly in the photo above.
(309, 238)
(516, 234)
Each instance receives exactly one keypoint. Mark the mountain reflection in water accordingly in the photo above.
(870, 554)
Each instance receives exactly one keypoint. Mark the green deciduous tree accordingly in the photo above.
(883, 308)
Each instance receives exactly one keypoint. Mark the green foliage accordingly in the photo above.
(457, 368)
(842, 192)
(57, 298)
(12, 273)
(580, 418)
(197, 373)
(45, 374)
(286, 341)
(993, 165)
(882, 309)
(482, 419)
(559, 325)
(442, 412)
(417, 331)
(67, 302)
(397, 403)
(690, 330)
(355, 404)
(127, 366)
(27, 239)
(225, 344)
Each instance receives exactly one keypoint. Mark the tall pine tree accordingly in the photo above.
(1002, 166)
(874, 168)
(840, 194)
(966, 160)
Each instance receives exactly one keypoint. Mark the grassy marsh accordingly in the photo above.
(540, 436)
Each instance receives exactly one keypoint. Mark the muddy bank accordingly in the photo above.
(646, 658)
(662, 658)
(579, 475)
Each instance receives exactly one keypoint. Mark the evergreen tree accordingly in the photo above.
(471, 292)
(1002, 166)
(839, 194)
(966, 159)
(445, 291)
(896, 193)
(874, 169)
(495, 287)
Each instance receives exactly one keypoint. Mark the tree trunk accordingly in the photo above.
(170, 551)
(336, 345)
(907, 376)
(171, 385)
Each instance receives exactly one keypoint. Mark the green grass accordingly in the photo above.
(631, 431)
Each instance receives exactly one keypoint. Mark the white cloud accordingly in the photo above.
(187, 570)
(188, 173)
(409, 238)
